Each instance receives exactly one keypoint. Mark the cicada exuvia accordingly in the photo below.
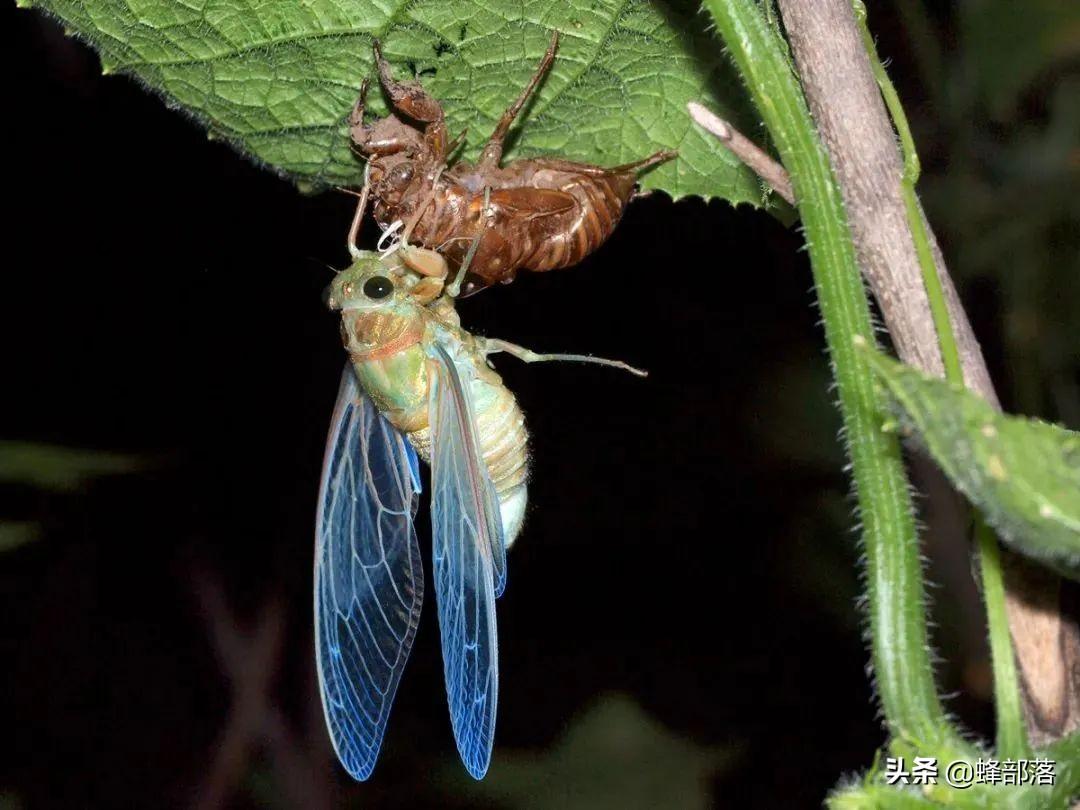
(534, 213)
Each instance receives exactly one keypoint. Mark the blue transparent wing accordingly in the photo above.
(466, 531)
(369, 582)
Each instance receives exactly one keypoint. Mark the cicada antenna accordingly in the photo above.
(455, 144)
(316, 260)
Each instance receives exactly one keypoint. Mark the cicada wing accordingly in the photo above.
(369, 582)
(469, 557)
(489, 508)
(532, 202)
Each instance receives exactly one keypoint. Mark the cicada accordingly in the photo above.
(417, 386)
(538, 214)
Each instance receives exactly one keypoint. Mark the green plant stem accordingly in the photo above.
(1012, 738)
(898, 632)
(939, 310)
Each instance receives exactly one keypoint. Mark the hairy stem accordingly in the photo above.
(852, 119)
(894, 574)
(1012, 738)
(939, 310)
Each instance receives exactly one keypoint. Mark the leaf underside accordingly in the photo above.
(1023, 474)
(278, 79)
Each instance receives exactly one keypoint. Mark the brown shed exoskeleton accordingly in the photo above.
(533, 213)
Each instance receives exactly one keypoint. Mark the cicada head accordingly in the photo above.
(398, 177)
(395, 179)
(380, 308)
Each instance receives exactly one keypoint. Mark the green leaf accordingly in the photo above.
(278, 79)
(1022, 473)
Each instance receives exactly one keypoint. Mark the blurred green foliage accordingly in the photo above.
(1010, 45)
(613, 755)
(52, 468)
(15, 533)
(999, 130)
(57, 468)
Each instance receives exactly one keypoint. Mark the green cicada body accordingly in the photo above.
(417, 385)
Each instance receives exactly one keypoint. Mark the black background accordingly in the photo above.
(689, 539)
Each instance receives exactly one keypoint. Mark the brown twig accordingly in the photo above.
(250, 664)
(299, 762)
(771, 172)
(250, 660)
(854, 125)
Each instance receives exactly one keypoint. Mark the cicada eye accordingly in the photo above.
(378, 287)
(402, 175)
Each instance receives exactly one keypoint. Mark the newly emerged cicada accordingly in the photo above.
(537, 214)
(416, 385)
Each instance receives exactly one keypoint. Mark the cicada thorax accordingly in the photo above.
(385, 347)
(373, 334)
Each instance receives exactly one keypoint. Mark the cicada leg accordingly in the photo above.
(421, 260)
(415, 219)
(361, 134)
(662, 156)
(356, 117)
(613, 171)
(456, 143)
(493, 149)
(426, 262)
(455, 287)
(431, 266)
(411, 99)
(493, 346)
(358, 217)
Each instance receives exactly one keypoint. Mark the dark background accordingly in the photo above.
(681, 605)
